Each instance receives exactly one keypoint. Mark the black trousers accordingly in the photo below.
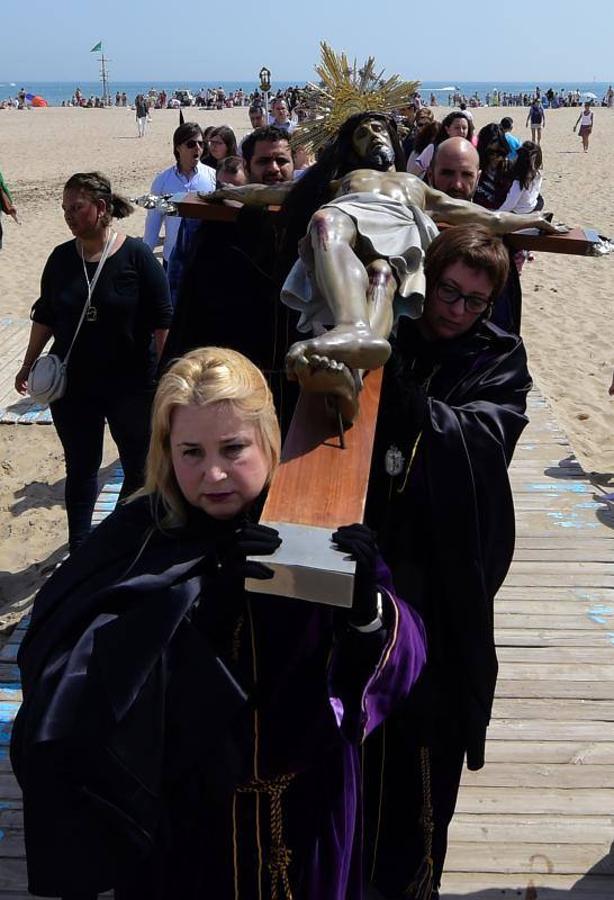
(395, 846)
(79, 421)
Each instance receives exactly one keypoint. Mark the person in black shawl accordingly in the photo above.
(179, 736)
(452, 409)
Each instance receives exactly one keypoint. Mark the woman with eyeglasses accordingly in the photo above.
(222, 142)
(188, 174)
(452, 408)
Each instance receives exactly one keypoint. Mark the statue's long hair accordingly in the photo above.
(313, 189)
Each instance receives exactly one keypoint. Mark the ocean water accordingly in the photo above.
(56, 92)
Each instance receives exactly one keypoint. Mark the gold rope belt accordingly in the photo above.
(280, 855)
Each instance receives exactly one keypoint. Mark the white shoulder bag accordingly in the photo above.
(47, 378)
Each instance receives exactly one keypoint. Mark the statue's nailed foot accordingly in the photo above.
(321, 375)
(354, 345)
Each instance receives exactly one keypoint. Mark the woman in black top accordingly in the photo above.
(112, 364)
(495, 180)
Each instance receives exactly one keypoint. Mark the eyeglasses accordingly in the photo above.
(192, 143)
(448, 294)
(217, 143)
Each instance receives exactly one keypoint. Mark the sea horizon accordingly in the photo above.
(54, 92)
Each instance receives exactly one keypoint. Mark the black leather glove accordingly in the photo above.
(359, 541)
(250, 539)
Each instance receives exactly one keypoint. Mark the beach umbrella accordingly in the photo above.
(589, 94)
(39, 101)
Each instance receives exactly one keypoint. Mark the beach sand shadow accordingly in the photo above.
(41, 495)
(18, 588)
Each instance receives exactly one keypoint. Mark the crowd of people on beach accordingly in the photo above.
(206, 98)
(550, 98)
(180, 735)
(219, 98)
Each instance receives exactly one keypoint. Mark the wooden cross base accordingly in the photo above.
(319, 486)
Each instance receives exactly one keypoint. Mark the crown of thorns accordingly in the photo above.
(344, 90)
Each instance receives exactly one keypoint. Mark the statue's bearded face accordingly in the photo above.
(372, 145)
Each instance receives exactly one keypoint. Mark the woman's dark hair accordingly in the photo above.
(184, 133)
(527, 164)
(423, 112)
(445, 124)
(98, 187)
(473, 245)
(487, 136)
(425, 136)
(230, 164)
(226, 133)
(312, 190)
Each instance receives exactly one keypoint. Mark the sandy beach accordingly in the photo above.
(567, 307)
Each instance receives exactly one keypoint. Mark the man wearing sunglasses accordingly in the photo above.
(188, 174)
(267, 159)
(223, 276)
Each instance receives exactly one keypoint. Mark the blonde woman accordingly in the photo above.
(191, 739)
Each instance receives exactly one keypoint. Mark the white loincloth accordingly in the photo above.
(394, 231)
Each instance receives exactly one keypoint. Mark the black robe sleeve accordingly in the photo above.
(452, 523)
(91, 738)
(467, 445)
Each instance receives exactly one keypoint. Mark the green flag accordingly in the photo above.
(97, 47)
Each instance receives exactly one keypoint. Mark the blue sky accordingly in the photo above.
(441, 40)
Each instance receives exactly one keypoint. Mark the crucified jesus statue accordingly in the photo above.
(360, 262)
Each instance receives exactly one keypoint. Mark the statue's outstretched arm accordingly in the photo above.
(460, 212)
(252, 194)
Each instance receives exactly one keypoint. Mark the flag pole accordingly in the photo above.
(104, 74)
(106, 97)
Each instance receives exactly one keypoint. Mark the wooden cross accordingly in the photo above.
(321, 484)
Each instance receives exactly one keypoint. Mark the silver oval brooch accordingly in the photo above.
(394, 461)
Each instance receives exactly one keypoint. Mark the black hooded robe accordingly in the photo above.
(180, 738)
(455, 409)
(229, 297)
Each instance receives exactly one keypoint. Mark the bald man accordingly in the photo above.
(455, 171)
(455, 168)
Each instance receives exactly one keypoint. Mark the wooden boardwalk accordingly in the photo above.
(538, 821)
(14, 409)
(541, 812)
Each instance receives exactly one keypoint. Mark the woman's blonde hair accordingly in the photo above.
(203, 377)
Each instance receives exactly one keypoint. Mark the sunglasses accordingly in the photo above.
(192, 143)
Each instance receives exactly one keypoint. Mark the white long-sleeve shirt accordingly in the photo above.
(172, 181)
(522, 200)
